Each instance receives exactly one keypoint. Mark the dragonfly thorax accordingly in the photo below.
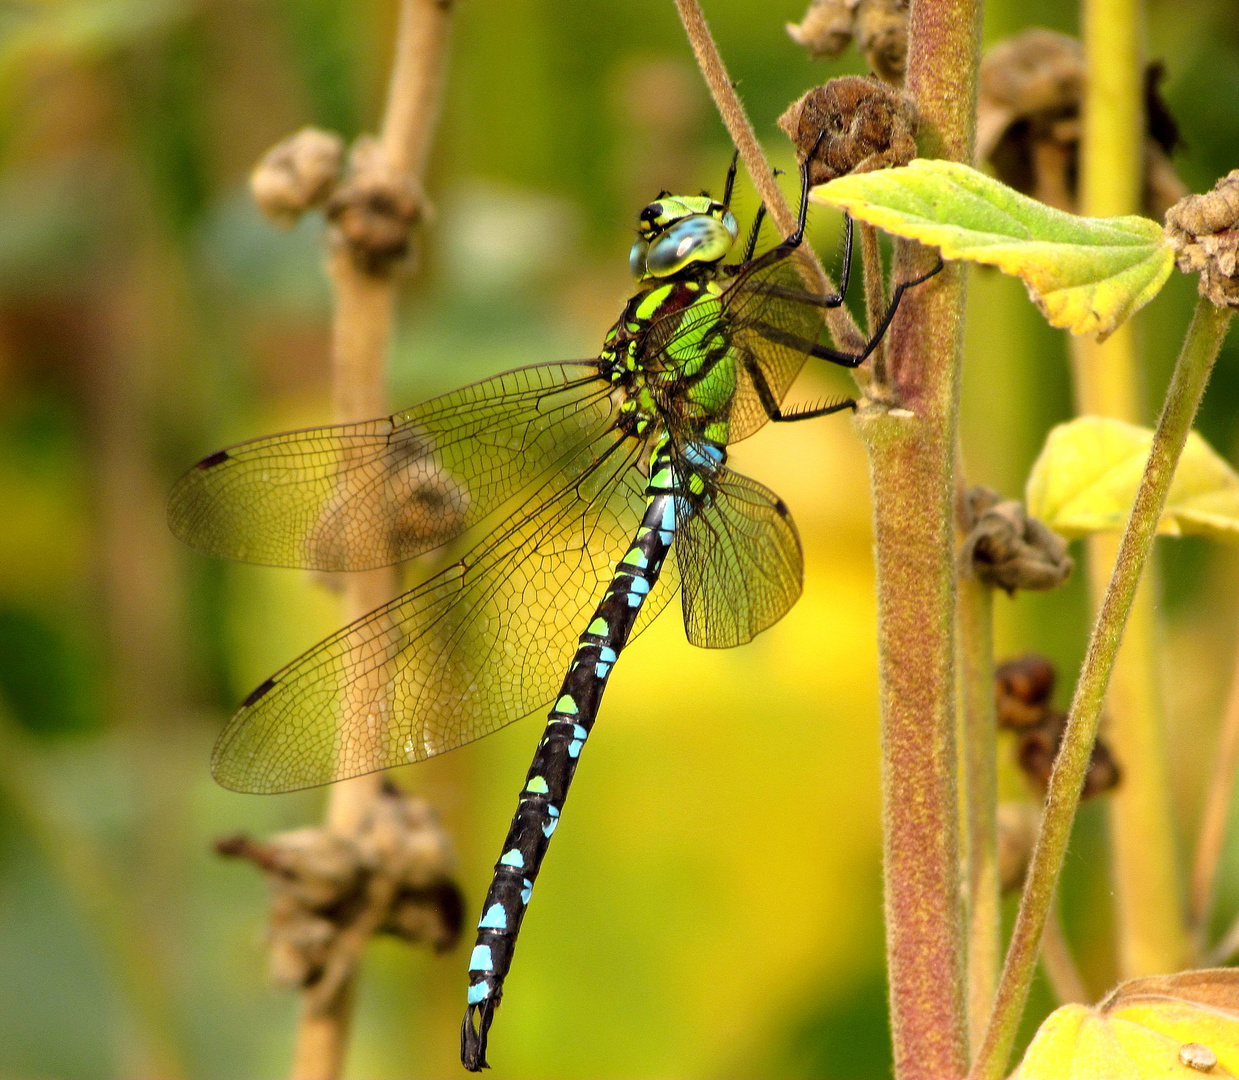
(668, 355)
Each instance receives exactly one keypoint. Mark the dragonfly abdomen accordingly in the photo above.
(555, 761)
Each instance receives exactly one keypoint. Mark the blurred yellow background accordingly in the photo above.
(712, 906)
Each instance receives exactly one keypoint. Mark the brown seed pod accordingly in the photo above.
(297, 174)
(1023, 688)
(323, 887)
(1028, 120)
(881, 28)
(862, 125)
(1007, 548)
(1204, 230)
(1038, 747)
(825, 29)
(374, 210)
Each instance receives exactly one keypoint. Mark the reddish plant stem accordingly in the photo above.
(980, 773)
(839, 320)
(912, 461)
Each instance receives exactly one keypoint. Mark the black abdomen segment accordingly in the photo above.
(554, 763)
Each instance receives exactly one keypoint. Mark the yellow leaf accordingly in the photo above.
(1146, 1029)
(1085, 480)
(1086, 274)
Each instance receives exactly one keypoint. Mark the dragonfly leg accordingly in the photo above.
(771, 404)
(754, 232)
(836, 356)
(783, 249)
(731, 179)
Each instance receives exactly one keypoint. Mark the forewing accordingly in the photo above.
(741, 567)
(479, 645)
(755, 300)
(359, 496)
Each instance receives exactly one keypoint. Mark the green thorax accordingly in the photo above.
(670, 353)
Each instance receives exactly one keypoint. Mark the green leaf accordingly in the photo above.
(1085, 481)
(1086, 274)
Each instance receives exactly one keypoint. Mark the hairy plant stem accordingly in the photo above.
(839, 320)
(912, 453)
(1152, 936)
(980, 759)
(1214, 819)
(361, 331)
(1187, 386)
(875, 297)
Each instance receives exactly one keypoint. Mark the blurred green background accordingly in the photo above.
(712, 907)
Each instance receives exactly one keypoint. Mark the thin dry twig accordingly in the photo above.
(839, 320)
(361, 330)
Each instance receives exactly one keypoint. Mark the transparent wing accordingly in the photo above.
(741, 567)
(359, 496)
(755, 300)
(479, 645)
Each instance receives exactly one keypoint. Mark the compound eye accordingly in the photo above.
(636, 259)
(732, 226)
(694, 239)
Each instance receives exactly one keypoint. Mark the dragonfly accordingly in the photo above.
(567, 487)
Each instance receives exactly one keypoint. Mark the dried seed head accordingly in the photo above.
(862, 122)
(1038, 748)
(1022, 689)
(1204, 230)
(374, 210)
(825, 29)
(1028, 120)
(297, 174)
(1008, 548)
(323, 884)
(434, 915)
(1018, 823)
(881, 29)
(879, 26)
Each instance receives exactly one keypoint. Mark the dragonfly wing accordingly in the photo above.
(479, 645)
(767, 299)
(741, 567)
(359, 496)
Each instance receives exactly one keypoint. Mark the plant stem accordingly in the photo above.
(912, 475)
(875, 296)
(839, 320)
(980, 733)
(1214, 819)
(361, 331)
(1152, 936)
(1187, 385)
(1059, 965)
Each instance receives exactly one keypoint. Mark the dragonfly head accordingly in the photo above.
(677, 231)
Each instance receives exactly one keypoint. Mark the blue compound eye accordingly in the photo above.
(699, 238)
(636, 259)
